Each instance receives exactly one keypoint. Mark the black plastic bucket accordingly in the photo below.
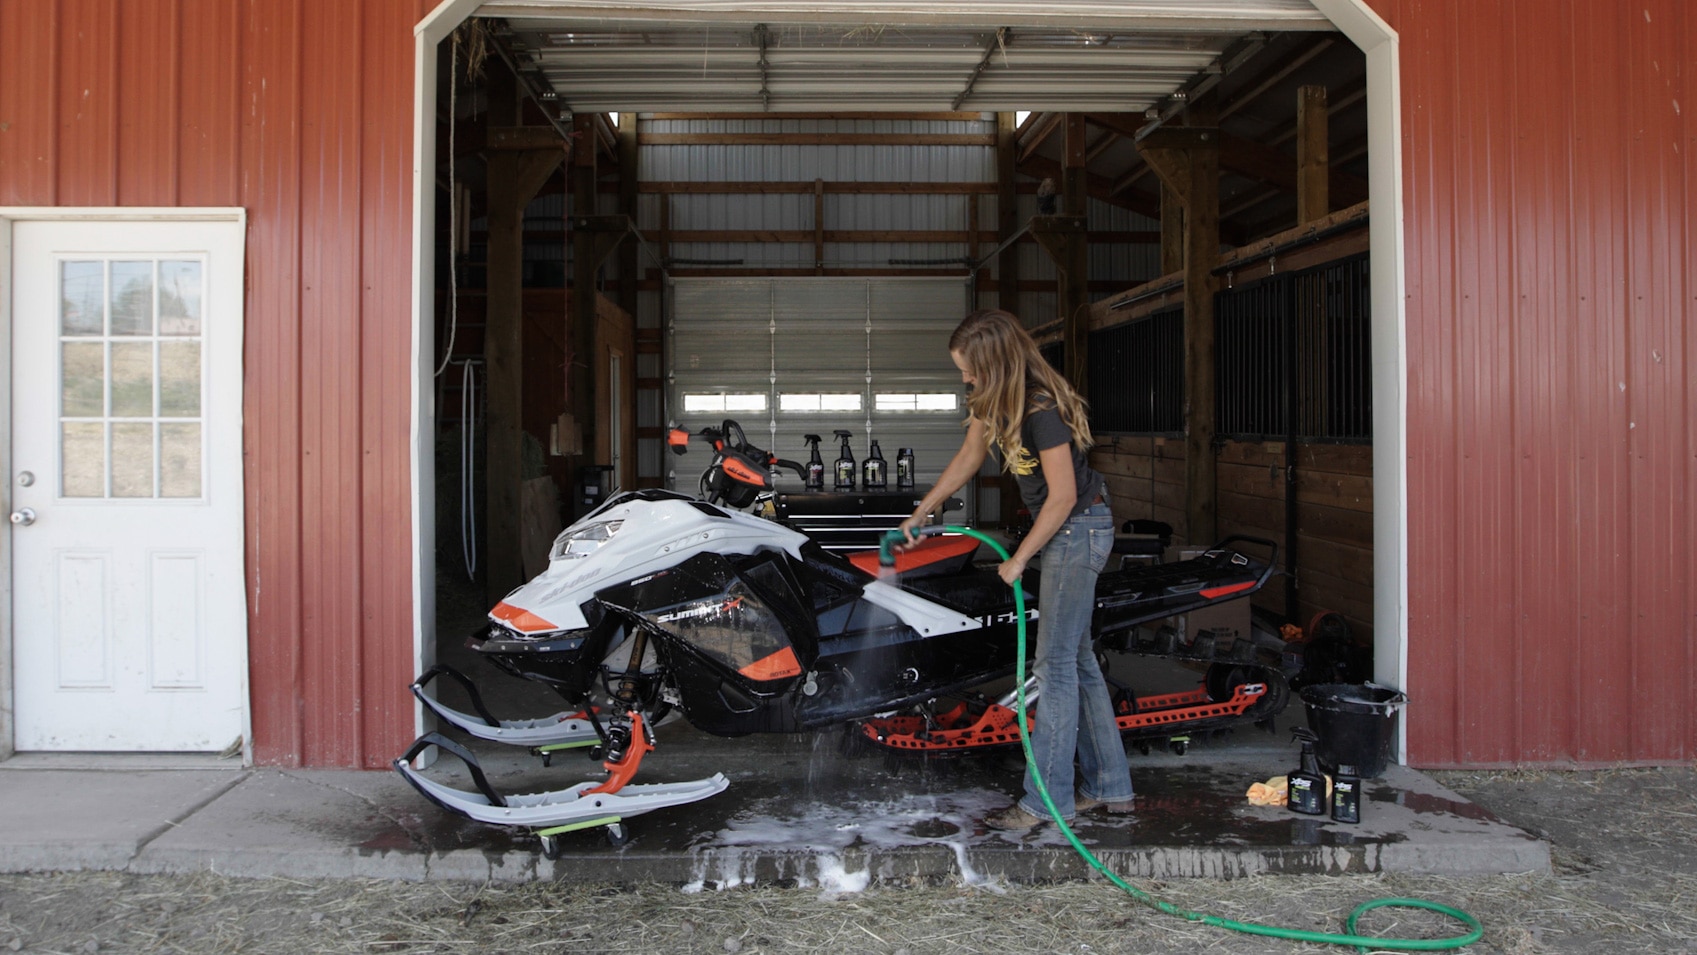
(1356, 724)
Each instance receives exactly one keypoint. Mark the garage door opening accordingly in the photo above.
(626, 166)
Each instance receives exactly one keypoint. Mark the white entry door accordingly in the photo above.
(128, 606)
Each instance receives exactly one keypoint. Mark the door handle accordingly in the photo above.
(23, 517)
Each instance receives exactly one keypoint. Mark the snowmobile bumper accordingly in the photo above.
(562, 730)
(578, 806)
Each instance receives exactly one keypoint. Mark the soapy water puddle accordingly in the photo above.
(822, 843)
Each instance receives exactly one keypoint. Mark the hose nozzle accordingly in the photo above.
(887, 547)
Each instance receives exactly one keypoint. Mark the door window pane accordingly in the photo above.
(179, 460)
(83, 447)
(132, 459)
(132, 298)
(132, 379)
(82, 289)
(179, 298)
(179, 379)
(82, 379)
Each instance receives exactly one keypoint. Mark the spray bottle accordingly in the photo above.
(904, 469)
(1307, 786)
(815, 465)
(844, 465)
(874, 476)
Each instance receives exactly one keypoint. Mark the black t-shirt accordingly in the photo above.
(1043, 429)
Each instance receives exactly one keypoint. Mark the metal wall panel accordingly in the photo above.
(299, 111)
(1548, 182)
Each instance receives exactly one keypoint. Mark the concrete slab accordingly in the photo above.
(98, 818)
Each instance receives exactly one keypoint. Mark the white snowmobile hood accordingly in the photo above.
(626, 539)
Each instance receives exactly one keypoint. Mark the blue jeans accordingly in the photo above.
(1074, 712)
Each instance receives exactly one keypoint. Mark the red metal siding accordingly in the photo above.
(1549, 169)
(299, 111)
(1548, 179)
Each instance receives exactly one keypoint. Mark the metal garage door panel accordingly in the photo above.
(827, 335)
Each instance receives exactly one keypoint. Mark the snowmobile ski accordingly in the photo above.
(560, 731)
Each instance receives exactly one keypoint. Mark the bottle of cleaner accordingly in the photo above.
(904, 469)
(1346, 795)
(815, 465)
(874, 477)
(1307, 787)
(844, 465)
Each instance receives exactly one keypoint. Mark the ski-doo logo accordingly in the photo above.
(999, 619)
(701, 610)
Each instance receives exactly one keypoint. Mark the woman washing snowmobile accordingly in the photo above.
(1037, 424)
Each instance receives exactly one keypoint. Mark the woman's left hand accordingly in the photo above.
(1010, 570)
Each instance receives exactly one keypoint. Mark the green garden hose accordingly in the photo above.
(1361, 942)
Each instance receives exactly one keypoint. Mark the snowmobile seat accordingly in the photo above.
(943, 554)
(1140, 539)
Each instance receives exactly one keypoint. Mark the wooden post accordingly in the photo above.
(1172, 231)
(1073, 291)
(1313, 166)
(1063, 237)
(1187, 159)
(516, 171)
(629, 267)
(818, 227)
(581, 360)
(1007, 219)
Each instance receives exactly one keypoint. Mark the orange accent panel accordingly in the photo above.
(744, 473)
(773, 666)
(519, 619)
(929, 550)
(1213, 592)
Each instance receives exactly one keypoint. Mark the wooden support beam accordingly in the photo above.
(627, 207)
(1007, 221)
(818, 139)
(1313, 166)
(1067, 242)
(1074, 185)
(819, 226)
(1097, 187)
(514, 176)
(1172, 231)
(1187, 159)
(1039, 134)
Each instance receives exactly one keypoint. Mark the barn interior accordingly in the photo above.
(779, 223)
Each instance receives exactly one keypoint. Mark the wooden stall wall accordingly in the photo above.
(300, 111)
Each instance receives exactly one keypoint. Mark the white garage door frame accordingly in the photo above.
(1353, 18)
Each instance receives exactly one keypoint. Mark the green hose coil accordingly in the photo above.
(1351, 937)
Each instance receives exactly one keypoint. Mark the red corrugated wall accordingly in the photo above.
(1549, 186)
(301, 112)
(1548, 160)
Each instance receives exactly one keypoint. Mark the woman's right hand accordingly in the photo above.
(907, 527)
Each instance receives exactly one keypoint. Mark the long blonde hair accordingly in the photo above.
(1013, 378)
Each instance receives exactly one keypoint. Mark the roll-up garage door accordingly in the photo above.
(788, 357)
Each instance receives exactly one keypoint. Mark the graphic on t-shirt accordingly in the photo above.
(1024, 462)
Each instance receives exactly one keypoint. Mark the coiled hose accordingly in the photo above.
(886, 555)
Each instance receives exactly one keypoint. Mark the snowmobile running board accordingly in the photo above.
(957, 731)
(560, 731)
(549, 814)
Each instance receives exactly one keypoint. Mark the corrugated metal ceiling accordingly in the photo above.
(720, 55)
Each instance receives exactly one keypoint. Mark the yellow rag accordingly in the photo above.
(1273, 792)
